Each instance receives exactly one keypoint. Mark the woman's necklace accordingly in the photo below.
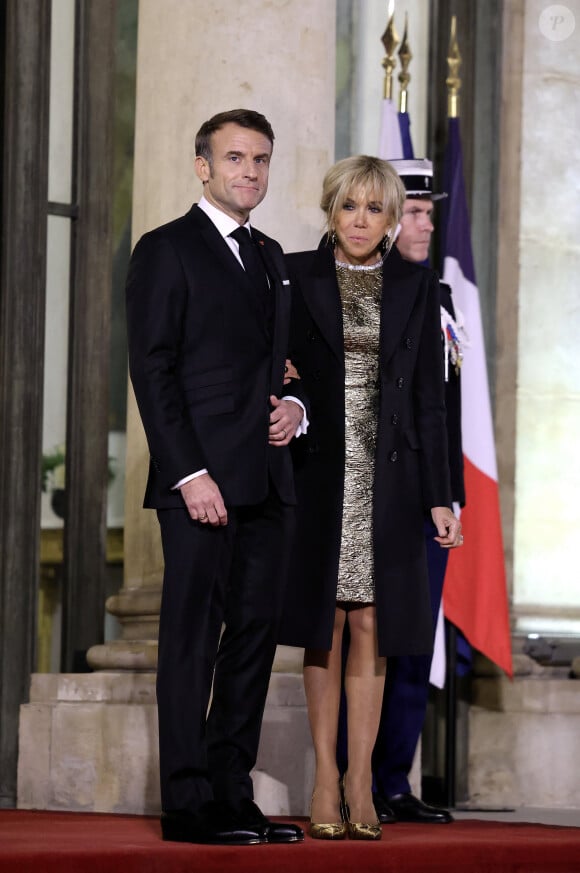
(365, 268)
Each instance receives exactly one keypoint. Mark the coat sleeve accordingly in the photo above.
(157, 299)
(453, 408)
(429, 402)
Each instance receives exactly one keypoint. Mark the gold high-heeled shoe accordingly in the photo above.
(358, 830)
(334, 831)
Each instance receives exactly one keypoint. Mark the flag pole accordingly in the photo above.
(390, 138)
(405, 57)
(453, 83)
(390, 40)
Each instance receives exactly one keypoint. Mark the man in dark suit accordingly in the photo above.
(407, 684)
(207, 310)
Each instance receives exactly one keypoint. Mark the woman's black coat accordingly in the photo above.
(411, 466)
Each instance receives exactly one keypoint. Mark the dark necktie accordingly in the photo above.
(251, 259)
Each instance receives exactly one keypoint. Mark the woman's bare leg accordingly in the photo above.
(322, 683)
(364, 684)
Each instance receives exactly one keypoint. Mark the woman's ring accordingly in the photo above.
(202, 517)
(284, 432)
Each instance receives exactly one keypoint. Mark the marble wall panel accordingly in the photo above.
(548, 388)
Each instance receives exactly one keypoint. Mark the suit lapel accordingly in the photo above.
(280, 288)
(215, 242)
(222, 252)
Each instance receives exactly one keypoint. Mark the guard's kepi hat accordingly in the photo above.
(417, 177)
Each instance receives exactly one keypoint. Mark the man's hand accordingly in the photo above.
(204, 501)
(448, 527)
(284, 420)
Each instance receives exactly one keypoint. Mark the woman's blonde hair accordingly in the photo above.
(377, 179)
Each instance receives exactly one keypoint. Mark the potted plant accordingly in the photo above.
(53, 477)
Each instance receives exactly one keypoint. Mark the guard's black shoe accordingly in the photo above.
(407, 807)
(212, 824)
(384, 812)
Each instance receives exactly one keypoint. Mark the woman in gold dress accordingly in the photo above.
(365, 338)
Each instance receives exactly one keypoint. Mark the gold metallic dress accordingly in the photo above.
(360, 292)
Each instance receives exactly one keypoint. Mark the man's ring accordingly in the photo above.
(284, 432)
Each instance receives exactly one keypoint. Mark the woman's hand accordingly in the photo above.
(448, 527)
(290, 371)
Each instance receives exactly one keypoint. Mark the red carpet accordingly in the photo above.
(63, 842)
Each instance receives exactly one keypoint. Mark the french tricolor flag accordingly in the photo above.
(395, 136)
(475, 595)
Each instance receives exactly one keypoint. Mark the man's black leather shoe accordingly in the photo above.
(213, 824)
(407, 807)
(250, 815)
(384, 812)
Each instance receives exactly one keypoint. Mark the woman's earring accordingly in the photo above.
(385, 243)
(333, 239)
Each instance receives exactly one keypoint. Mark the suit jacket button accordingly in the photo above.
(409, 343)
(393, 456)
(400, 382)
(310, 335)
(394, 418)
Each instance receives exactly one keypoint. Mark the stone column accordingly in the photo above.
(190, 65)
(136, 606)
(26, 37)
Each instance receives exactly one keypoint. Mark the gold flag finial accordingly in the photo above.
(390, 41)
(404, 77)
(453, 81)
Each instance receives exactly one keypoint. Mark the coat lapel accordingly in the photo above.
(396, 306)
(322, 298)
